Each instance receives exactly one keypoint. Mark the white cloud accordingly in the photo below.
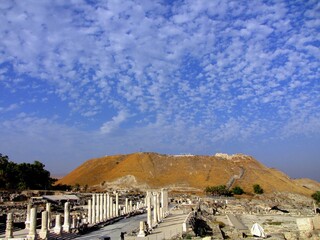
(109, 126)
(216, 70)
(9, 108)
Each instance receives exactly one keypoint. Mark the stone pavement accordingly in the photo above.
(234, 221)
(170, 227)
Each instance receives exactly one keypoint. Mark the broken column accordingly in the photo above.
(66, 222)
(48, 209)
(44, 225)
(9, 227)
(57, 228)
(27, 222)
(141, 231)
(164, 202)
(33, 224)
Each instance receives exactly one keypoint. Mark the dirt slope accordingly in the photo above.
(181, 171)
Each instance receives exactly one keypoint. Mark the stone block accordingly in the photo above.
(305, 224)
(316, 222)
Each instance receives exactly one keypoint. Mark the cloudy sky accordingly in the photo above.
(82, 79)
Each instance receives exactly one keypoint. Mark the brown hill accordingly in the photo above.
(152, 170)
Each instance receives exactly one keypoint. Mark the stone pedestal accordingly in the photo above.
(9, 227)
(43, 234)
(57, 228)
(141, 231)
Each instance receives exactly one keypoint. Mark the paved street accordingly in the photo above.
(114, 230)
(171, 226)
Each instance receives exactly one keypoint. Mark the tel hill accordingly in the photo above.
(184, 172)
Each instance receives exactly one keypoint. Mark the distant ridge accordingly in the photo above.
(150, 170)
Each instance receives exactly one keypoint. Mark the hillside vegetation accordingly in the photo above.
(152, 170)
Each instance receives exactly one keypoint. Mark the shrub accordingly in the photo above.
(237, 190)
(316, 196)
(220, 190)
(257, 189)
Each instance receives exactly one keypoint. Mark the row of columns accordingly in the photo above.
(158, 201)
(31, 222)
(102, 207)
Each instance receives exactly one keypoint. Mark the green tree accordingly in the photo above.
(316, 196)
(24, 175)
(237, 190)
(257, 189)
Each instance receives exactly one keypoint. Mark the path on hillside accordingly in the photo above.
(234, 178)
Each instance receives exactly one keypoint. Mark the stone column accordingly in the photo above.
(27, 223)
(101, 208)
(164, 201)
(108, 206)
(111, 207)
(141, 231)
(105, 206)
(93, 221)
(149, 216)
(155, 208)
(117, 204)
(9, 227)
(98, 208)
(48, 209)
(33, 224)
(89, 211)
(66, 222)
(114, 210)
(44, 225)
(74, 222)
(158, 207)
(57, 228)
(130, 206)
(126, 206)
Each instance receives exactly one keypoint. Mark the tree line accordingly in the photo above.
(24, 176)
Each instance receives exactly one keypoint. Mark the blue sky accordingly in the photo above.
(84, 79)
